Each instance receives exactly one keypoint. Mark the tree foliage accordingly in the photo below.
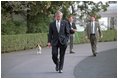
(38, 14)
(90, 8)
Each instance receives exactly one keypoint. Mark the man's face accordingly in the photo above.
(93, 18)
(71, 19)
(58, 17)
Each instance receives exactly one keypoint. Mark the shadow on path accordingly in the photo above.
(104, 65)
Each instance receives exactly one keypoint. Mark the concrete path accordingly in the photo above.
(102, 66)
(27, 64)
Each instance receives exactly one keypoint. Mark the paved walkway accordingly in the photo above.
(102, 66)
(27, 64)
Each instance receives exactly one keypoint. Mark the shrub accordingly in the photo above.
(28, 41)
(22, 41)
(13, 27)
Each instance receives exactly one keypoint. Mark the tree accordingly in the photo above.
(90, 8)
(8, 24)
(38, 14)
(40, 11)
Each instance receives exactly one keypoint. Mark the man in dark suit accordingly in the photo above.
(73, 29)
(58, 38)
(92, 29)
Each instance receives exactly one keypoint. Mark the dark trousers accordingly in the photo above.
(93, 41)
(55, 52)
(71, 43)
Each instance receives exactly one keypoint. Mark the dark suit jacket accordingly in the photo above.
(54, 37)
(73, 26)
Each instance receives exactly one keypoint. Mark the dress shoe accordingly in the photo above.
(94, 54)
(60, 71)
(71, 52)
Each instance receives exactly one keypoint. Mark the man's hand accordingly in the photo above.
(49, 45)
(101, 36)
(86, 37)
(74, 30)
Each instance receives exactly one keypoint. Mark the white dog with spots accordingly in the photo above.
(39, 49)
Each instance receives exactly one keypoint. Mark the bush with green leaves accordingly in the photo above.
(28, 41)
(22, 41)
(13, 27)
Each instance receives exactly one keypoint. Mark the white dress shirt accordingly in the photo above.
(93, 27)
(58, 25)
(71, 25)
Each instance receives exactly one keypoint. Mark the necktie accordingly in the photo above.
(58, 26)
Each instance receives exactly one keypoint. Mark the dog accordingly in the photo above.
(39, 49)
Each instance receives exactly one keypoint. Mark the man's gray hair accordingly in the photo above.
(58, 13)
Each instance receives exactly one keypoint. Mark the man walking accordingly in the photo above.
(73, 29)
(58, 38)
(91, 31)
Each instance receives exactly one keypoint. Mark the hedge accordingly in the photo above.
(27, 41)
(22, 42)
(109, 35)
